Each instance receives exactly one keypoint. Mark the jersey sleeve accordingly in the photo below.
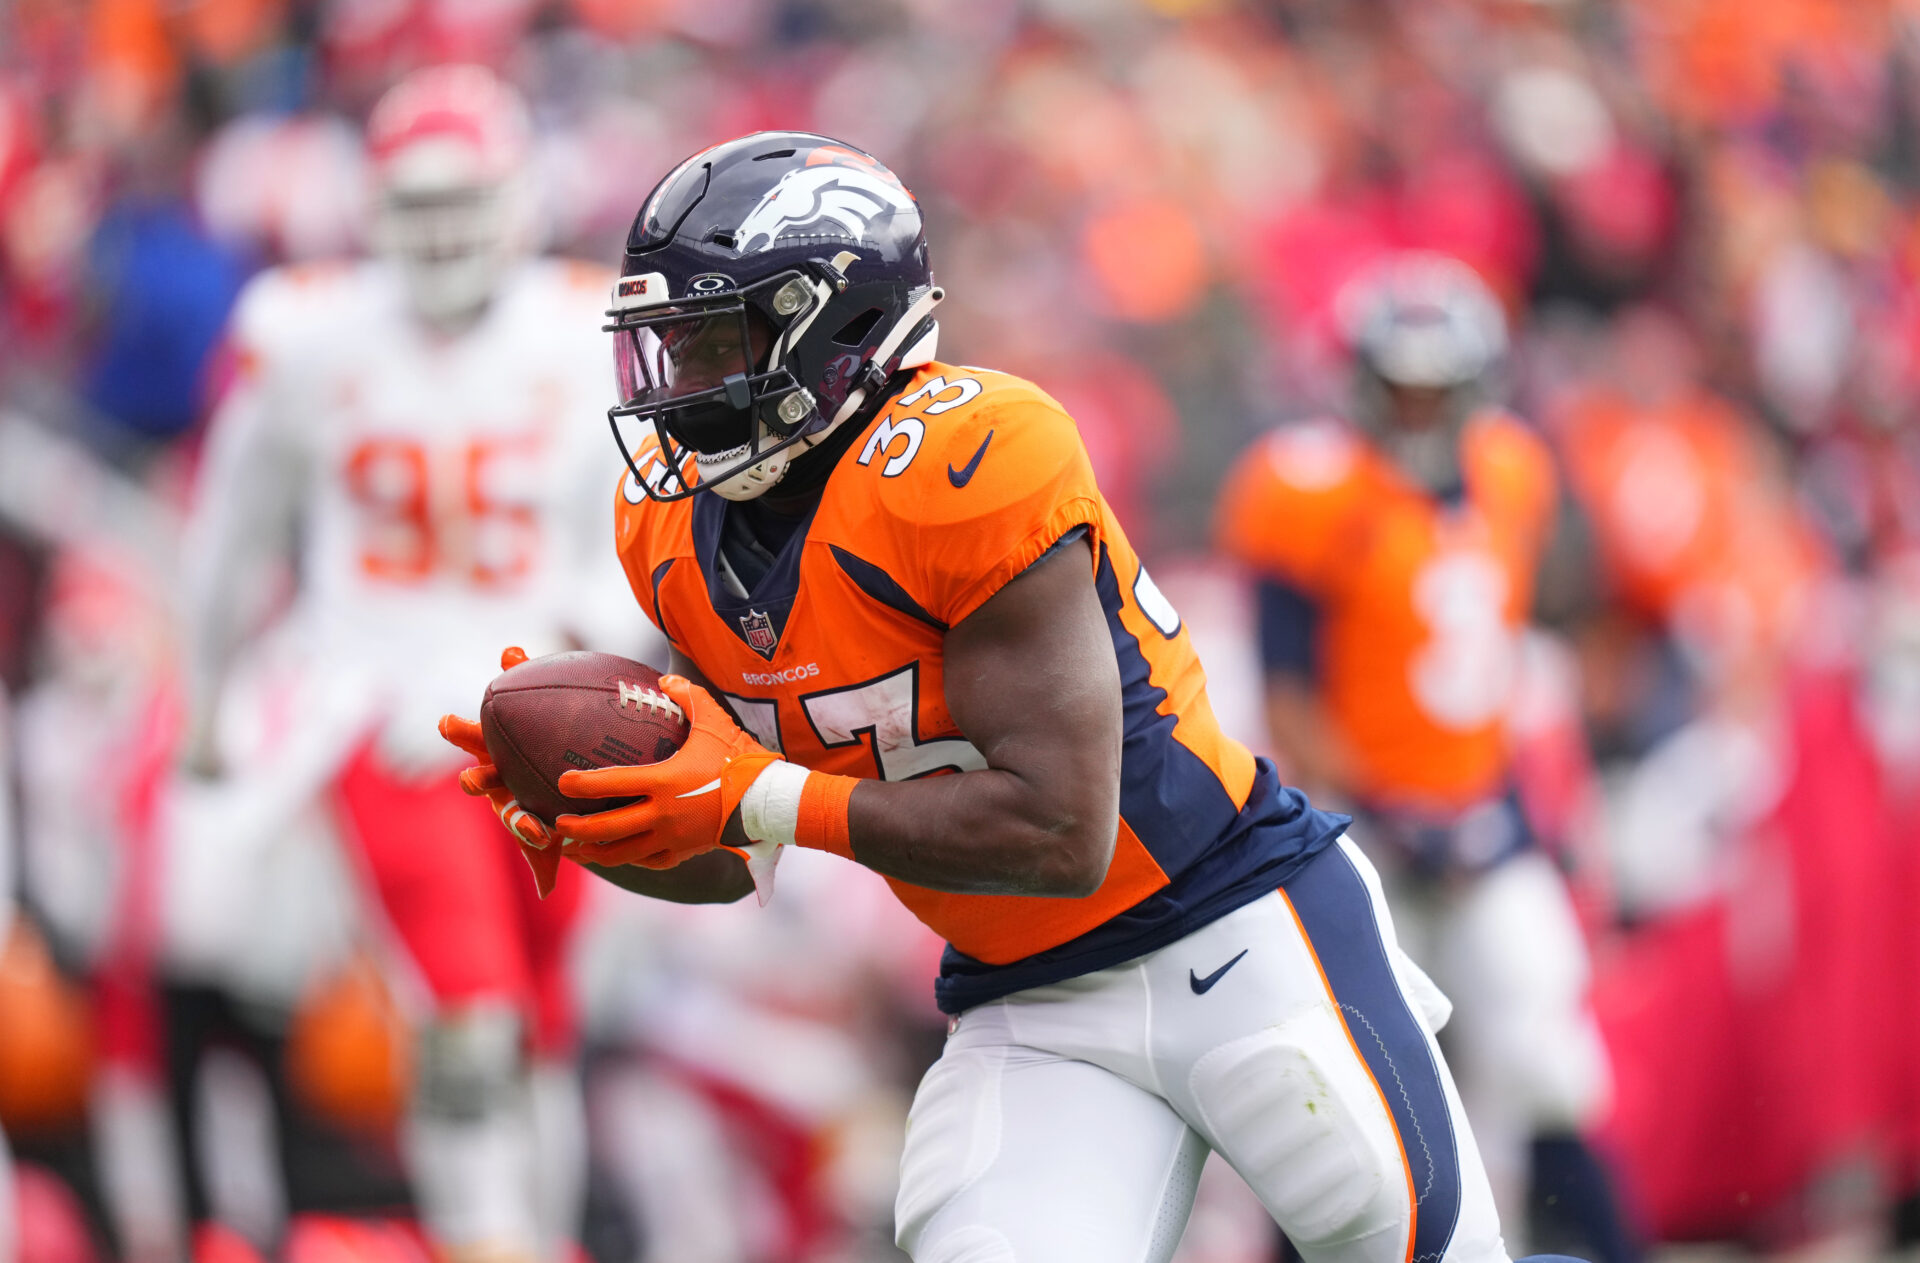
(1289, 630)
(1283, 511)
(648, 538)
(996, 488)
(1521, 482)
(248, 493)
(600, 613)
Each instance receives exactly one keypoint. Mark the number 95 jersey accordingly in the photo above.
(834, 658)
(446, 492)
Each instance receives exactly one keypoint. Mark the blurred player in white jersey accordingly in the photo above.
(416, 433)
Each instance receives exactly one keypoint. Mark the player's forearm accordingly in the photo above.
(716, 877)
(217, 563)
(211, 630)
(988, 832)
(1306, 739)
(244, 508)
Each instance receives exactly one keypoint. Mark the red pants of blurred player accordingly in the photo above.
(461, 899)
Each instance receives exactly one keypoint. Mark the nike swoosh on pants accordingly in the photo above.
(1203, 985)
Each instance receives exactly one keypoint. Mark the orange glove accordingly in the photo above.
(684, 801)
(483, 781)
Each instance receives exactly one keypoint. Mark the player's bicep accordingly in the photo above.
(1032, 681)
(1570, 588)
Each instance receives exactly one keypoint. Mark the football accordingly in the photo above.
(583, 710)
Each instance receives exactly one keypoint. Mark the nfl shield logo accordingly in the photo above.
(758, 629)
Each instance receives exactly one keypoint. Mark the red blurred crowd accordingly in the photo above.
(1702, 216)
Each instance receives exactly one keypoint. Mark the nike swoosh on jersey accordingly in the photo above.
(961, 477)
(1203, 985)
(708, 788)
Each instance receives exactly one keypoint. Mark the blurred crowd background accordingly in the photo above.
(1702, 216)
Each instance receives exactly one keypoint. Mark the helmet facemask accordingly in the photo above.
(453, 206)
(716, 377)
(453, 245)
(1420, 426)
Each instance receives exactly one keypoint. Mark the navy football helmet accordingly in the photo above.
(771, 286)
(1429, 341)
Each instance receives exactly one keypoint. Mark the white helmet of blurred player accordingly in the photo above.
(1428, 339)
(450, 147)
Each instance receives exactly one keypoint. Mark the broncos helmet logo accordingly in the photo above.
(841, 195)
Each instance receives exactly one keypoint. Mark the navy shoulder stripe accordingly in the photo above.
(659, 576)
(880, 585)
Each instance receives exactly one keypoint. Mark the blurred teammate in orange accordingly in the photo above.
(410, 428)
(1693, 521)
(1396, 554)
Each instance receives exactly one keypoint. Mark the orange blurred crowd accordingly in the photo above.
(1702, 216)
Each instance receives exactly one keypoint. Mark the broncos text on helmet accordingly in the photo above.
(771, 286)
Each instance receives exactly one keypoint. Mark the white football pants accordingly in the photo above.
(1529, 1057)
(1069, 1123)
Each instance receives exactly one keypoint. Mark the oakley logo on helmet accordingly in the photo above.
(710, 283)
(822, 199)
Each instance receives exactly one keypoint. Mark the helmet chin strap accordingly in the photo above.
(758, 479)
(750, 483)
(920, 353)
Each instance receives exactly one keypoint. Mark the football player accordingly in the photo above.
(411, 423)
(907, 630)
(1396, 555)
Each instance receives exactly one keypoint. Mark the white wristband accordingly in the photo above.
(770, 809)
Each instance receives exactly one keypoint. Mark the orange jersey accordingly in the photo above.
(1695, 528)
(1419, 602)
(964, 479)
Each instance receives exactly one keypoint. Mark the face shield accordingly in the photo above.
(709, 375)
(698, 368)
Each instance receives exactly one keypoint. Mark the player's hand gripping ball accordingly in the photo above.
(544, 717)
(605, 760)
(675, 808)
